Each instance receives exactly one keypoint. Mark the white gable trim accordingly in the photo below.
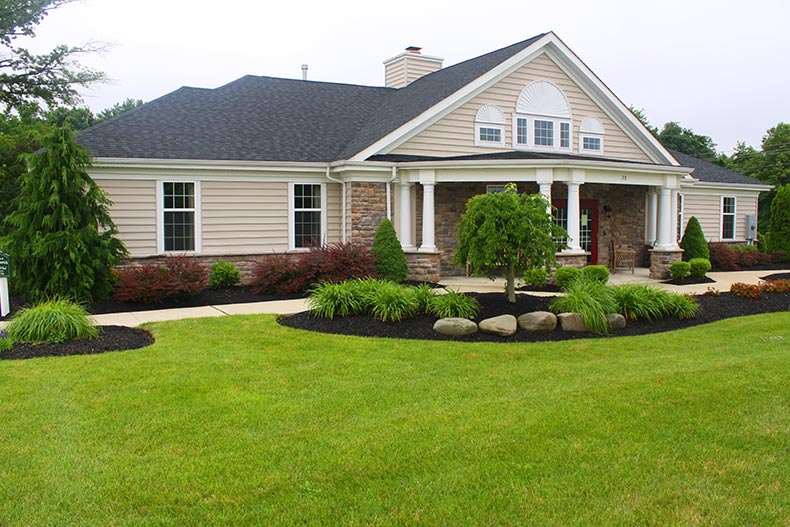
(571, 66)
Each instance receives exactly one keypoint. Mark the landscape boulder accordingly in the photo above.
(571, 322)
(503, 325)
(615, 321)
(538, 321)
(455, 327)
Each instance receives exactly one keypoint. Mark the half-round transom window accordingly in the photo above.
(543, 98)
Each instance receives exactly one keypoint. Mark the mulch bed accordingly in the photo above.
(691, 280)
(493, 304)
(110, 338)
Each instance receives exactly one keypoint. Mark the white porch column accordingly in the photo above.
(652, 211)
(428, 181)
(577, 178)
(406, 217)
(545, 177)
(664, 237)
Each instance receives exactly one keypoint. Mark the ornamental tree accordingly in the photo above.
(693, 242)
(779, 227)
(507, 229)
(62, 239)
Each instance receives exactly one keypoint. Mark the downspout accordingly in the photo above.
(389, 207)
(343, 204)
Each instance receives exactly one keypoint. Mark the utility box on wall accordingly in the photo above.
(751, 228)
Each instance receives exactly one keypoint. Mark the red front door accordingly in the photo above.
(588, 224)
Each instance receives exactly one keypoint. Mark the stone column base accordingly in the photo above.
(423, 266)
(571, 260)
(660, 260)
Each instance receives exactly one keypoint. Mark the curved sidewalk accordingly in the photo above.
(723, 281)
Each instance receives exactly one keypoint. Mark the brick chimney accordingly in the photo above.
(401, 70)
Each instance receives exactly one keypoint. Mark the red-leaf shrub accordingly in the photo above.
(178, 276)
(278, 274)
(776, 286)
(284, 274)
(722, 257)
(780, 257)
(747, 258)
(745, 290)
(149, 284)
(190, 277)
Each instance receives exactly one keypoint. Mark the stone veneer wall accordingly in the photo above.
(368, 209)
(660, 261)
(424, 266)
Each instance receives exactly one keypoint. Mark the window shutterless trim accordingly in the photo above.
(527, 122)
(732, 214)
(485, 142)
(292, 210)
(160, 216)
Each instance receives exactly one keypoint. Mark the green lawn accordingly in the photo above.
(238, 421)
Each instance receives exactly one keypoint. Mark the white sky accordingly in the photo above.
(717, 67)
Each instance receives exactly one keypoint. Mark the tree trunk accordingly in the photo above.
(511, 283)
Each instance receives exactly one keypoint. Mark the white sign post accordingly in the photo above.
(5, 272)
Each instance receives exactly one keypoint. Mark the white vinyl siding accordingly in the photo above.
(452, 135)
(706, 206)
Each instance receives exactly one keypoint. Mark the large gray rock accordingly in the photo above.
(571, 322)
(503, 325)
(615, 321)
(455, 327)
(538, 321)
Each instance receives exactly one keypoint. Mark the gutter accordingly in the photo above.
(389, 207)
(343, 203)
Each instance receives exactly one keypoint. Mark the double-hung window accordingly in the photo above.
(728, 218)
(544, 132)
(179, 216)
(307, 216)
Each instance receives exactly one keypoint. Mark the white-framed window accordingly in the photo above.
(490, 127)
(728, 217)
(591, 134)
(306, 215)
(542, 120)
(493, 189)
(178, 204)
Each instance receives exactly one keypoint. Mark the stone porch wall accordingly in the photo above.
(424, 266)
(244, 262)
(368, 202)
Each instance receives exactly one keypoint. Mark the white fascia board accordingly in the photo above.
(724, 187)
(447, 105)
(624, 166)
(589, 82)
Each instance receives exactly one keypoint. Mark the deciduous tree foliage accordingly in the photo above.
(27, 78)
(62, 240)
(507, 229)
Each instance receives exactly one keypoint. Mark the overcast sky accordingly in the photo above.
(720, 67)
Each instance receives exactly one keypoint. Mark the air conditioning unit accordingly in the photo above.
(751, 228)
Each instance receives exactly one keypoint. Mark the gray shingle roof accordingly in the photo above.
(710, 173)
(272, 119)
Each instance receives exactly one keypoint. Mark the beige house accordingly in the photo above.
(265, 165)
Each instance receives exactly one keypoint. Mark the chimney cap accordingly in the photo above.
(414, 49)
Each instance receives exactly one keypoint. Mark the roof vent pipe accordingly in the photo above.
(304, 72)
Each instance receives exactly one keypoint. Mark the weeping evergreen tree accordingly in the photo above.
(62, 240)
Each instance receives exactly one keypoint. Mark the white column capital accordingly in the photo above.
(427, 177)
(544, 176)
(577, 176)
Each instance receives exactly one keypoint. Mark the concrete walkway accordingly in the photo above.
(458, 283)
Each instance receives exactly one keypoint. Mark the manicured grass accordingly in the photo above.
(238, 421)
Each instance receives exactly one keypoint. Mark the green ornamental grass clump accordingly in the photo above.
(589, 298)
(699, 267)
(54, 320)
(565, 276)
(597, 273)
(388, 253)
(224, 274)
(693, 243)
(392, 302)
(328, 300)
(679, 270)
(454, 305)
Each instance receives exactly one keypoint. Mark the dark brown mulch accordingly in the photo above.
(691, 280)
(110, 338)
(776, 276)
(493, 304)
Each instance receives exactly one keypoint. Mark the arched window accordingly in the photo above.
(591, 136)
(490, 126)
(543, 118)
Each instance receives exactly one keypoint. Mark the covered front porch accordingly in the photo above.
(602, 209)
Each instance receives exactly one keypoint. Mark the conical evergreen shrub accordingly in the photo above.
(62, 240)
(693, 243)
(388, 253)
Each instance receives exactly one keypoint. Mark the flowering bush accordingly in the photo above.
(775, 286)
(745, 290)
